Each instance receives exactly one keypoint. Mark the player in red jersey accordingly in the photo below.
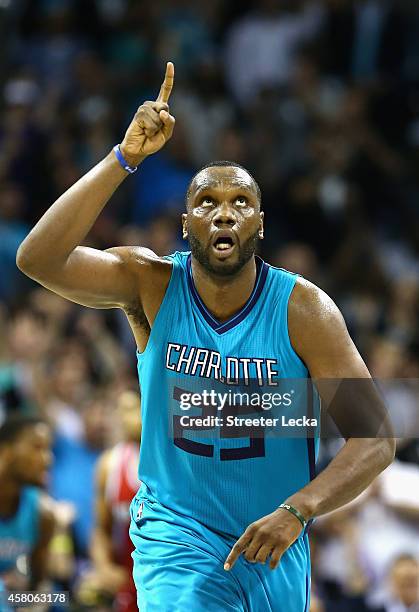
(117, 483)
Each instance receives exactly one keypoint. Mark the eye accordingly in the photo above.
(241, 201)
(207, 202)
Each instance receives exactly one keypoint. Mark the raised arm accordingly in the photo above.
(51, 253)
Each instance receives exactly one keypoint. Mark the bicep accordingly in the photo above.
(99, 279)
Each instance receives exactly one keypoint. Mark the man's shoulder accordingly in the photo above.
(146, 258)
(305, 296)
(313, 317)
(137, 255)
(154, 273)
(144, 261)
(308, 301)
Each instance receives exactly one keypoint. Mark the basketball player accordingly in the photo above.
(26, 515)
(117, 484)
(207, 517)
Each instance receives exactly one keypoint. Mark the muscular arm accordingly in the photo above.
(320, 337)
(51, 253)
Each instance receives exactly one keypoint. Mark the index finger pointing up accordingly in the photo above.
(166, 88)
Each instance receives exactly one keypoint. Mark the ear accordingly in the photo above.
(261, 234)
(184, 228)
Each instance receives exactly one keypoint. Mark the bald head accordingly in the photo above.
(214, 174)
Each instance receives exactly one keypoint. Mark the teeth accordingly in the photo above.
(222, 246)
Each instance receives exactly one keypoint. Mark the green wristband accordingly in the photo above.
(295, 512)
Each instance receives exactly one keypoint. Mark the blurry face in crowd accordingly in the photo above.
(129, 414)
(97, 423)
(224, 221)
(32, 455)
(405, 581)
(11, 202)
(29, 336)
(386, 358)
(70, 373)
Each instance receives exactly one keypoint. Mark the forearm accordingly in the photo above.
(66, 223)
(47, 249)
(354, 468)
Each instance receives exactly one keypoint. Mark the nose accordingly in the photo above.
(224, 215)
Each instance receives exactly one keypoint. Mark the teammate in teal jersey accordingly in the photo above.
(219, 522)
(26, 515)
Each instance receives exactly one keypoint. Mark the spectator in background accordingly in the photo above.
(106, 358)
(154, 196)
(93, 106)
(12, 232)
(367, 38)
(162, 236)
(402, 593)
(69, 386)
(79, 456)
(389, 360)
(26, 513)
(185, 35)
(21, 140)
(298, 257)
(52, 41)
(403, 586)
(117, 483)
(356, 545)
(337, 567)
(389, 523)
(320, 99)
(261, 47)
(28, 339)
(203, 109)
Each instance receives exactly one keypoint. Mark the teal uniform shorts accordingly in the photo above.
(178, 567)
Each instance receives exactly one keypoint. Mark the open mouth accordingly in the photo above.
(224, 245)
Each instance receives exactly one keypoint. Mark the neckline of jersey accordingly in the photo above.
(223, 326)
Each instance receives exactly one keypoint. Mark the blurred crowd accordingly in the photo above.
(320, 100)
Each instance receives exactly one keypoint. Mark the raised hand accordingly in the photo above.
(152, 125)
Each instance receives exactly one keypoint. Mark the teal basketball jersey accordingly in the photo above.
(19, 533)
(223, 472)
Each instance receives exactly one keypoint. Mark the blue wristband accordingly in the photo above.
(123, 162)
